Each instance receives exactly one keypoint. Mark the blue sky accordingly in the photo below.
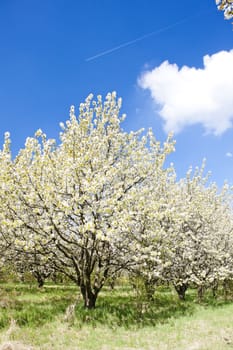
(47, 63)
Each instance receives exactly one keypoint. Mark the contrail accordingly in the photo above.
(128, 43)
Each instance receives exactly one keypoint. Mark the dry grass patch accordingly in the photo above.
(15, 346)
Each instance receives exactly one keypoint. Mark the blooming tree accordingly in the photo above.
(199, 233)
(69, 201)
(182, 233)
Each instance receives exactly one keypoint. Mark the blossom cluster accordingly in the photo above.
(226, 6)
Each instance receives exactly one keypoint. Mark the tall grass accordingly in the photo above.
(33, 307)
(122, 319)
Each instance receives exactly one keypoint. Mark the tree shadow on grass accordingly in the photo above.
(33, 307)
(219, 300)
(130, 311)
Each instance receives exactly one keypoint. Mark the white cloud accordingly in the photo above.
(229, 155)
(190, 95)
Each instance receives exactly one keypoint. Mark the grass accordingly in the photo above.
(31, 306)
(120, 321)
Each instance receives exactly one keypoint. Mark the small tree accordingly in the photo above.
(199, 234)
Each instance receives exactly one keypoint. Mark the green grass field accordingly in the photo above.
(32, 318)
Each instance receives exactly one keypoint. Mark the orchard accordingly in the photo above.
(102, 202)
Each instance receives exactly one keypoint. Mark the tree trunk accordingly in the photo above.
(40, 279)
(181, 290)
(150, 289)
(40, 282)
(215, 289)
(89, 297)
(200, 293)
(225, 289)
